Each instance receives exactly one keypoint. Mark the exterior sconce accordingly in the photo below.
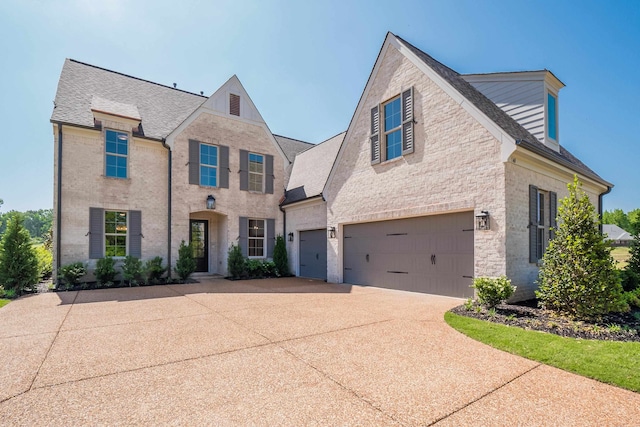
(211, 202)
(482, 221)
(291, 237)
(332, 232)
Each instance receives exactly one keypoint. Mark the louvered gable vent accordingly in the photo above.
(234, 104)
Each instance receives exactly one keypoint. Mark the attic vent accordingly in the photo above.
(234, 104)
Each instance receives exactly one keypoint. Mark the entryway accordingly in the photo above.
(199, 238)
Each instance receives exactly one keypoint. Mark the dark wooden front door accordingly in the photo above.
(199, 239)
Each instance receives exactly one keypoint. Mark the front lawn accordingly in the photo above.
(612, 362)
(4, 302)
(621, 255)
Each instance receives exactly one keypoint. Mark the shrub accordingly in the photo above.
(269, 269)
(106, 271)
(186, 263)
(631, 273)
(8, 293)
(45, 261)
(132, 270)
(18, 262)
(493, 291)
(578, 275)
(154, 270)
(632, 298)
(253, 267)
(280, 258)
(71, 274)
(235, 262)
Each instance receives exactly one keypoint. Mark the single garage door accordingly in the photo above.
(313, 254)
(431, 254)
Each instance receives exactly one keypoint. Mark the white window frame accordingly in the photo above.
(126, 233)
(386, 132)
(262, 174)
(263, 239)
(200, 165)
(106, 153)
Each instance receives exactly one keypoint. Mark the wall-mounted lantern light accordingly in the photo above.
(482, 221)
(332, 232)
(211, 202)
(291, 237)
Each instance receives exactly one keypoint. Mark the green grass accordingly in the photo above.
(611, 362)
(4, 302)
(621, 255)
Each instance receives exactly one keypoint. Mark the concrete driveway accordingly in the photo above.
(274, 352)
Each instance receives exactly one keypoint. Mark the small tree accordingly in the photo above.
(106, 271)
(235, 262)
(631, 273)
(18, 261)
(280, 257)
(578, 276)
(132, 270)
(186, 263)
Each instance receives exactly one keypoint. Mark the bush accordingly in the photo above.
(154, 270)
(632, 298)
(71, 274)
(235, 262)
(578, 275)
(631, 273)
(186, 263)
(253, 267)
(280, 258)
(106, 271)
(132, 270)
(45, 261)
(18, 261)
(493, 291)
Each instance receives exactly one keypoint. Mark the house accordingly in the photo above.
(616, 235)
(439, 178)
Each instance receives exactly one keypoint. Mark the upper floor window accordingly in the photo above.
(392, 131)
(115, 233)
(208, 165)
(256, 172)
(117, 150)
(392, 128)
(256, 238)
(552, 117)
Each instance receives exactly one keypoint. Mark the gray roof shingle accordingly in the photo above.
(291, 146)
(161, 108)
(522, 137)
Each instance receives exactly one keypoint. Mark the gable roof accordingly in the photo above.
(311, 170)
(614, 232)
(521, 136)
(160, 108)
(291, 146)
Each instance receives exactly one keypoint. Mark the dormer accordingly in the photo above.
(116, 115)
(529, 97)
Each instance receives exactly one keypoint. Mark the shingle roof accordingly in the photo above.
(291, 146)
(161, 108)
(614, 232)
(522, 137)
(311, 170)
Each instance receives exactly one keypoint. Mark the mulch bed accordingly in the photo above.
(612, 327)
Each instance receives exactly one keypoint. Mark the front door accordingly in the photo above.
(199, 239)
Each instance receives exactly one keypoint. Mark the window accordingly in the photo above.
(542, 228)
(115, 233)
(392, 131)
(234, 104)
(256, 172)
(552, 117)
(117, 148)
(208, 165)
(256, 238)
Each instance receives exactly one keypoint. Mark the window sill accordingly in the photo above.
(394, 160)
(116, 178)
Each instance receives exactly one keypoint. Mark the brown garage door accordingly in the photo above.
(431, 254)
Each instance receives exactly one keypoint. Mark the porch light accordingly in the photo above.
(291, 237)
(332, 232)
(211, 202)
(482, 221)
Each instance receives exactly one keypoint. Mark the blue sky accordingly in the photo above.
(287, 53)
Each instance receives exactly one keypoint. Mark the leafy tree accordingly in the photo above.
(634, 220)
(578, 276)
(186, 263)
(631, 273)
(18, 261)
(617, 217)
(38, 223)
(280, 256)
(235, 262)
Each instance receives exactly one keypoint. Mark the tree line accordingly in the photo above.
(37, 222)
(629, 221)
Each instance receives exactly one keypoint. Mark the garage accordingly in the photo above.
(432, 254)
(313, 254)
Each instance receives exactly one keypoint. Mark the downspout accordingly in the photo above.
(59, 201)
(164, 144)
(600, 210)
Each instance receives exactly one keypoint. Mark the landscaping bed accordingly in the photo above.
(526, 315)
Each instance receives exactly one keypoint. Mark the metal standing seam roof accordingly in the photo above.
(522, 137)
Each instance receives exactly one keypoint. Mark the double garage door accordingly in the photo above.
(431, 254)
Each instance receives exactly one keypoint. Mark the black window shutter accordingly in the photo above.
(268, 176)
(553, 213)
(96, 233)
(244, 232)
(223, 167)
(375, 135)
(194, 162)
(135, 234)
(244, 170)
(407, 121)
(271, 236)
(533, 224)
